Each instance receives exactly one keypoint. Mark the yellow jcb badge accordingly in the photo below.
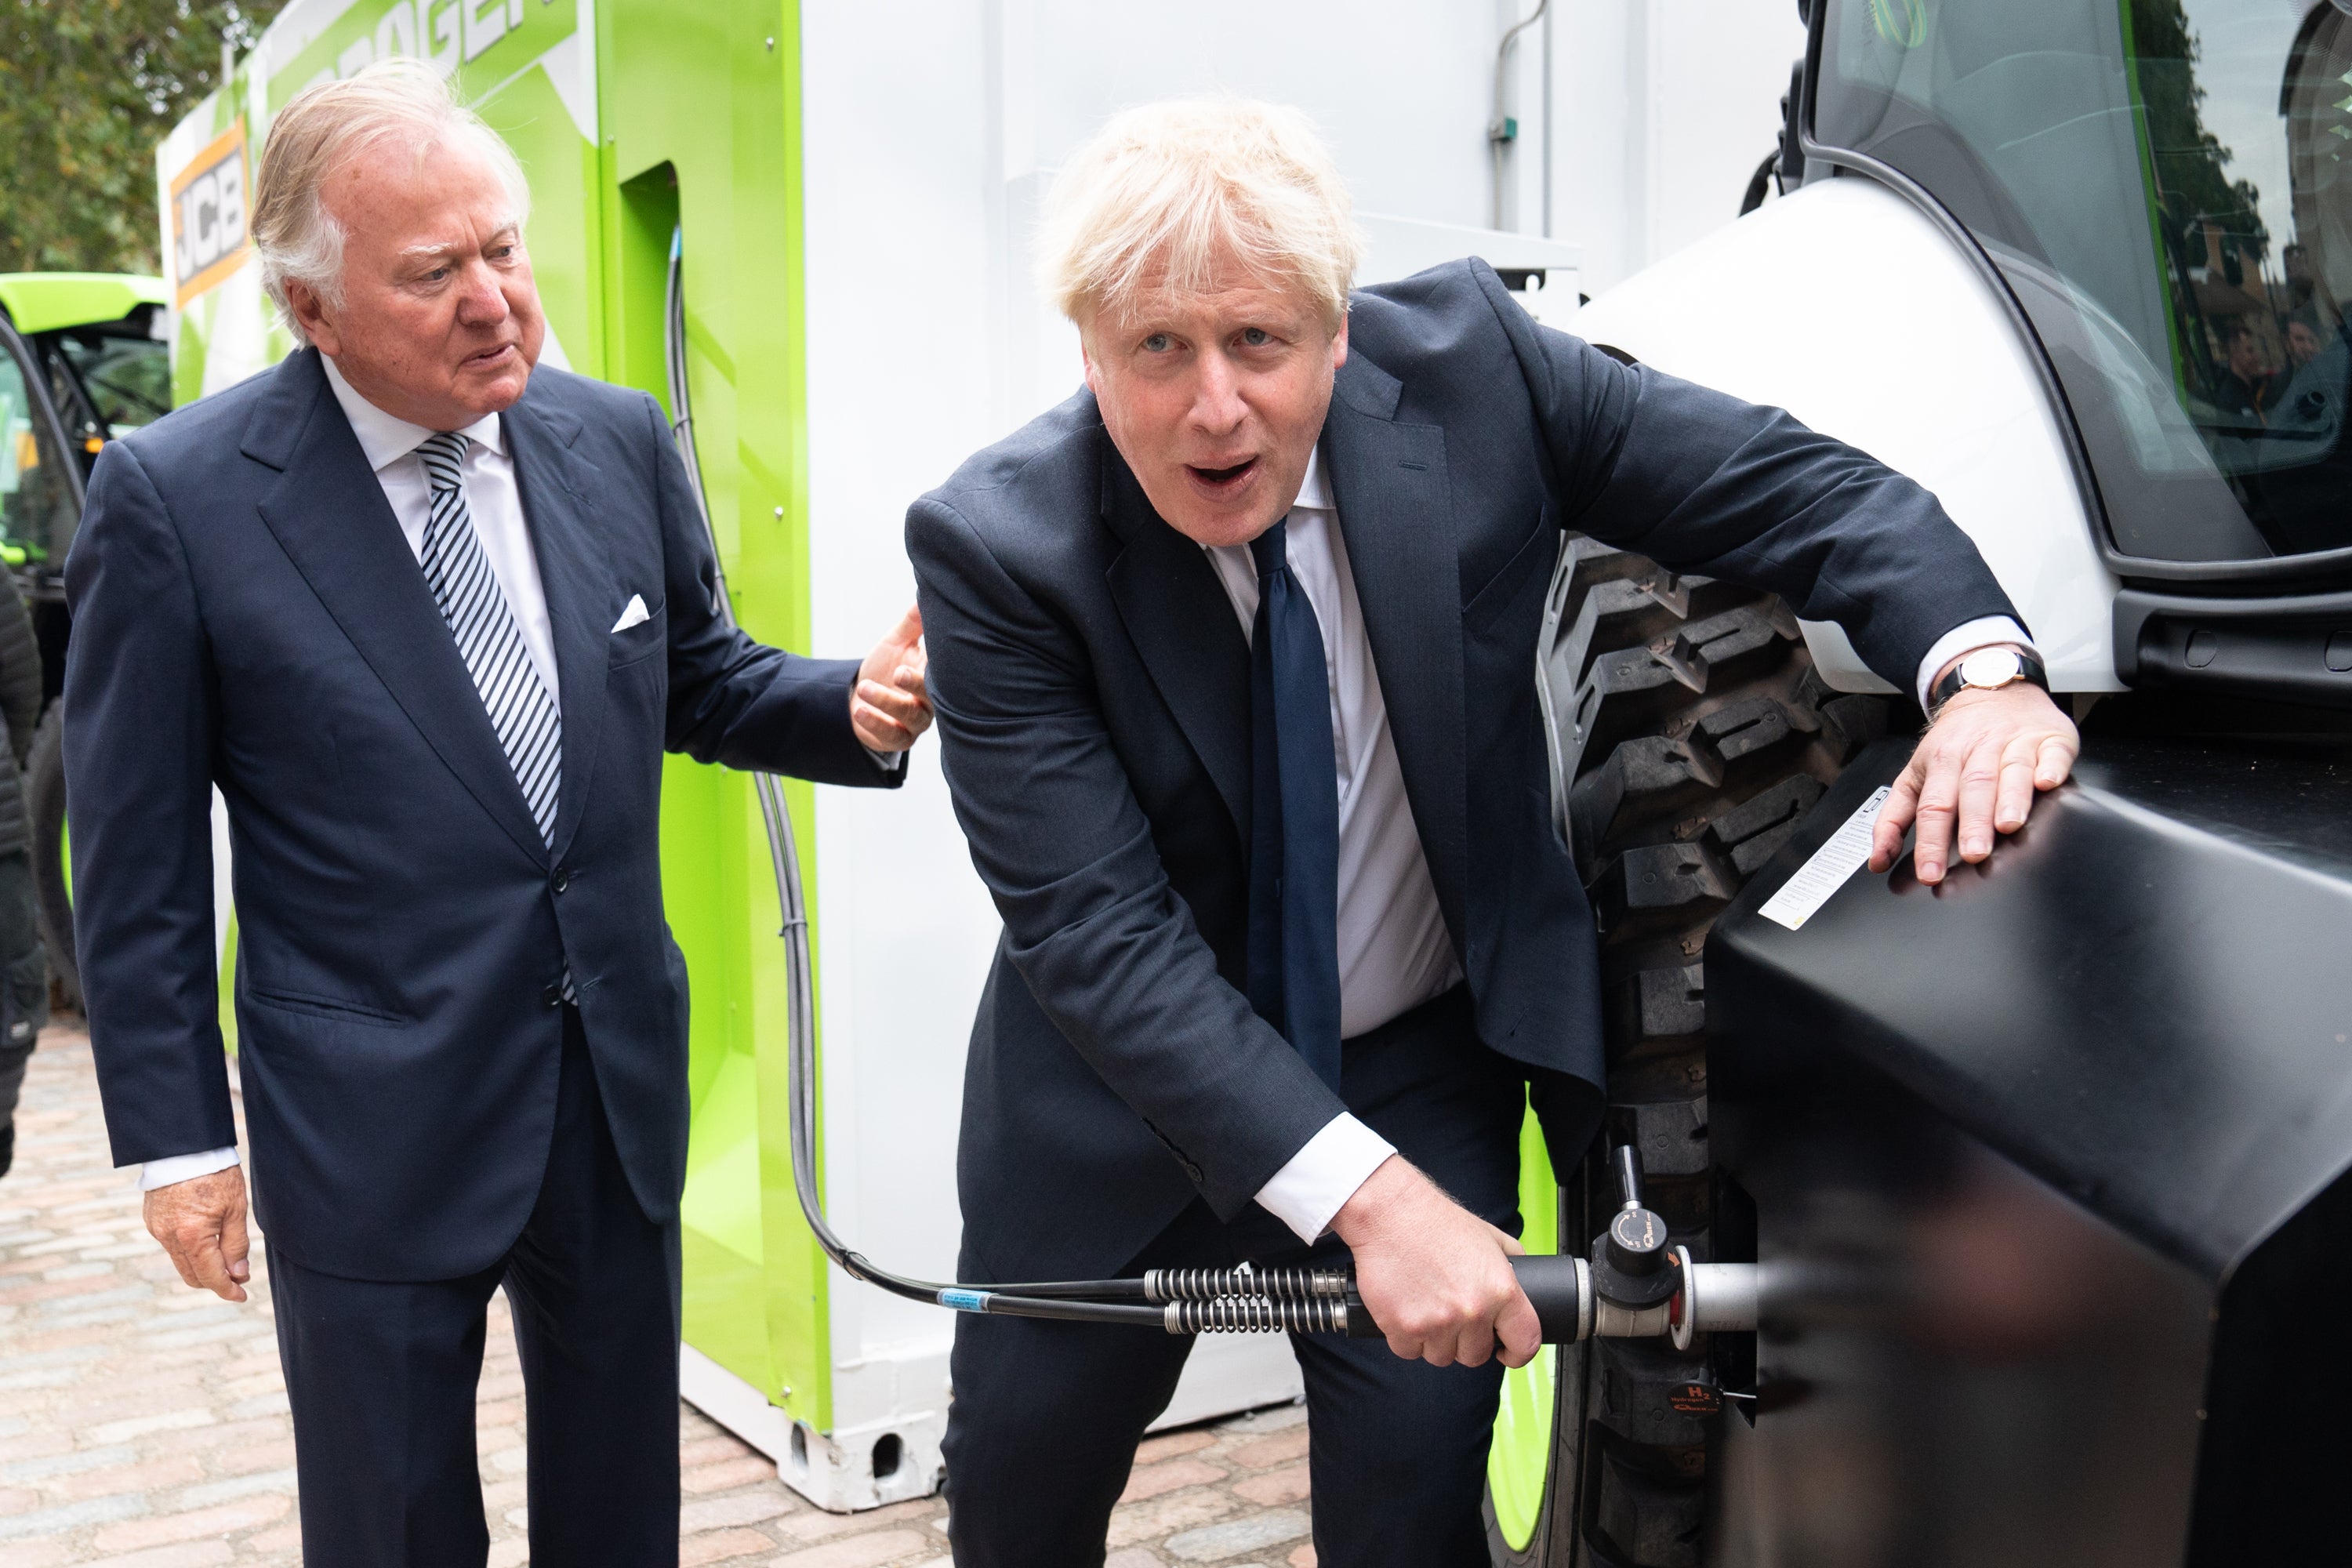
(209, 231)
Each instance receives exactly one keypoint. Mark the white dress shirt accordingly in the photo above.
(492, 498)
(1394, 951)
(495, 504)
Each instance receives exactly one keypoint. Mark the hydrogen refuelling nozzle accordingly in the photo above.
(1632, 1267)
(1640, 1282)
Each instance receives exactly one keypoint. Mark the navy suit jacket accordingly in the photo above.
(247, 615)
(1092, 690)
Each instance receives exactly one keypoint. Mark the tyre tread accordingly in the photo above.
(1690, 733)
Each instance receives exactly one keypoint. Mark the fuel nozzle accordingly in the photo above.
(1632, 1264)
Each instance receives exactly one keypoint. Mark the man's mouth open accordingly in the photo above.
(1221, 479)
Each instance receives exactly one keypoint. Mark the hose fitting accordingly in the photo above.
(1257, 1315)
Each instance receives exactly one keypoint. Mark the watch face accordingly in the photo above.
(1990, 666)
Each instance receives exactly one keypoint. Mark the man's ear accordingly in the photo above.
(1086, 359)
(1340, 344)
(304, 301)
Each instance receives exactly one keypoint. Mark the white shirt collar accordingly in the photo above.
(1312, 491)
(386, 437)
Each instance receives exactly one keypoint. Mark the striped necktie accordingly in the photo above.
(531, 731)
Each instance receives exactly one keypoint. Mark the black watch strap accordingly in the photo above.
(1956, 678)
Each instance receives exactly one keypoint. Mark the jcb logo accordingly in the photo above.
(209, 238)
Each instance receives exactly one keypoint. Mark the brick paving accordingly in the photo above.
(143, 1424)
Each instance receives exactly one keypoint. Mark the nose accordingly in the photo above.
(481, 302)
(1218, 409)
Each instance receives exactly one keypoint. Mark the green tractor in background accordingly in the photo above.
(83, 358)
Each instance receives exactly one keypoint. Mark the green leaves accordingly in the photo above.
(87, 89)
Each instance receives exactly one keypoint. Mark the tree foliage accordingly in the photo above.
(87, 88)
(2193, 166)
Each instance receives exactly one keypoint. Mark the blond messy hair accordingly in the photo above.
(1165, 192)
(325, 127)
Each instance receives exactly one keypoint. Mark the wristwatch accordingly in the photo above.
(1987, 670)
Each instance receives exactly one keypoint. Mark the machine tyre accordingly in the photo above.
(45, 803)
(1689, 734)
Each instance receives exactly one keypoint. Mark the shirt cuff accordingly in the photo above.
(888, 761)
(178, 1168)
(1966, 638)
(1322, 1176)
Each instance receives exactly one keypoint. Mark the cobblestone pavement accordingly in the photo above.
(143, 1424)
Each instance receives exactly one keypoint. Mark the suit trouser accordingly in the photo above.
(1047, 1415)
(382, 1378)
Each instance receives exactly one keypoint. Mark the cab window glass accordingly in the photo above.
(128, 378)
(2167, 187)
(36, 498)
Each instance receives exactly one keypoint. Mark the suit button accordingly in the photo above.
(552, 995)
(563, 879)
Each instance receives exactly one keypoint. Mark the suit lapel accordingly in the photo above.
(1389, 482)
(576, 575)
(1181, 623)
(329, 514)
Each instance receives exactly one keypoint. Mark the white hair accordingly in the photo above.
(323, 129)
(1165, 194)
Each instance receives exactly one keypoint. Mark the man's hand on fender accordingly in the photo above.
(1977, 769)
(201, 1224)
(1434, 1276)
(890, 707)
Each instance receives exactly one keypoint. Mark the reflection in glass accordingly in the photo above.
(128, 378)
(2164, 187)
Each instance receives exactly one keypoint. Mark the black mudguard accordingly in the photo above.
(2047, 1168)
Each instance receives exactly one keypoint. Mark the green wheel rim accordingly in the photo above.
(228, 986)
(1519, 1461)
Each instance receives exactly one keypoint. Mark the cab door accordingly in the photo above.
(40, 489)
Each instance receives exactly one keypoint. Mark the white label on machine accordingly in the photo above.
(1827, 871)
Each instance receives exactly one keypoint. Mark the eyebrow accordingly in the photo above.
(425, 252)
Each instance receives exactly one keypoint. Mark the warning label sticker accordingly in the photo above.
(1695, 1399)
(1846, 852)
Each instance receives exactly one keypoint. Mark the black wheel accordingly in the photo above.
(1691, 733)
(45, 803)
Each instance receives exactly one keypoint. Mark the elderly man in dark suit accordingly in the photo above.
(1233, 654)
(428, 619)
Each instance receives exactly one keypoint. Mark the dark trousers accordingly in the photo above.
(1043, 1429)
(382, 1378)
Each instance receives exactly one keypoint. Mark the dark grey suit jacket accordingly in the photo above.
(247, 614)
(1092, 700)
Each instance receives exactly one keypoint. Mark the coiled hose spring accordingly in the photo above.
(1271, 1284)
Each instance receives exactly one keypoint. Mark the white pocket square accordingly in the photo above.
(636, 614)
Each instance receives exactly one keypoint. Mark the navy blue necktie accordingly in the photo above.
(1293, 884)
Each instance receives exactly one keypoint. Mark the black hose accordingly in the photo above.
(1083, 1300)
(1177, 1301)
(1011, 1306)
(1245, 1299)
(782, 849)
